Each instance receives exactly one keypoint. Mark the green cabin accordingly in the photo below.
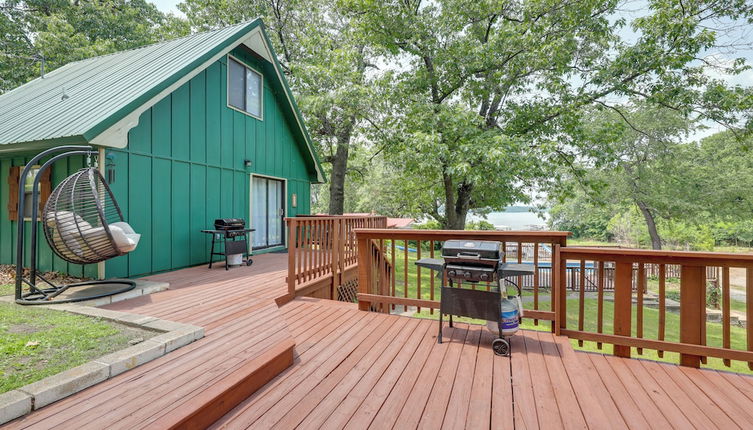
(187, 131)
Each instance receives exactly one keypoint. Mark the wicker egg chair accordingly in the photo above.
(82, 223)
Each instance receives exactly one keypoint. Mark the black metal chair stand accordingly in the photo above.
(83, 224)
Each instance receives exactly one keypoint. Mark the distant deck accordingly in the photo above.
(360, 369)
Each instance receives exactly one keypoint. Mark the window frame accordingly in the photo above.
(260, 117)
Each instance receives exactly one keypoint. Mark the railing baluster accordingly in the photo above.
(639, 312)
(600, 300)
(383, 288)
(392, 246)
(582, 298)
(418, 273)
(704, 317)
(431, 276)
(662, 303)
(536, 279)
(749, 309)
(405, 273)
(725, 312)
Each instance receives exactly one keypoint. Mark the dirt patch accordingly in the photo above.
(8, 279)
(23, 329)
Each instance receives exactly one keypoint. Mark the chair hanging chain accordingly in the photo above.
(92, 163)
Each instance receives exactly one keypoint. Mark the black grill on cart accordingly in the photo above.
(232, 234)
(465, 263)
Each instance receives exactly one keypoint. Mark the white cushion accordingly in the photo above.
(125, 238)
(66, 230)
(67, 225)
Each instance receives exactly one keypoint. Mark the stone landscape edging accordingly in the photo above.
(173, 335)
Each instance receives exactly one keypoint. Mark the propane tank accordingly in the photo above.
(509, 316)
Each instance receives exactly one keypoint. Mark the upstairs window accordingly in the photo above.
(244, 88)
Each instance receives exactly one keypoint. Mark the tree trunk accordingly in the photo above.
(651, 224)
(337, 176)
(457, 204)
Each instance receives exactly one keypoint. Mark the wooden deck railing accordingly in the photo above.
(322, 249)
(400, 282)
(594, 294)
(635, 325)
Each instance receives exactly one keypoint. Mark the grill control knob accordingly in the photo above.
(451, 273)
(467, 275)
(484, 277)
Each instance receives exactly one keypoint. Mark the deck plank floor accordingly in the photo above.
(354, 369)
(415, 383)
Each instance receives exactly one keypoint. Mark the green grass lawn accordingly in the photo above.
(7, 289)
(37, 342)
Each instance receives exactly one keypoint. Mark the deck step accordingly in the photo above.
(221, 397)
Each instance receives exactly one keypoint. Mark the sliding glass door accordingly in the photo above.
(267, 211)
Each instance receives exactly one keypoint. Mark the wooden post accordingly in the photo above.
(559, 290)
(623, 291)
(692, 299)
(749, 309)
(364, 271)
(292, 245)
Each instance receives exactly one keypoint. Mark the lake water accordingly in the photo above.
(513, 220)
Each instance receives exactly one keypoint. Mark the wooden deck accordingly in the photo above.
(246, 343)
(356, 369)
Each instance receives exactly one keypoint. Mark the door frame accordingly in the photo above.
(251, 206)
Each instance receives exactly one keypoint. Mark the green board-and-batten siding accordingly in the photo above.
(184, 167)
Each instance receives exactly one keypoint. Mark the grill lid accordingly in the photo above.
(229, 224)
(470, 250)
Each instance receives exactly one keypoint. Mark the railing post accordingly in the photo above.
(623, 304)
(559, 290)
(692, 307)
(364, 271)
(292, 275)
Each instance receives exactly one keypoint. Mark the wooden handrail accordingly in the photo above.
(321, 248)
(413, 286)
(620, 272)
(437, 235)
(630, 267)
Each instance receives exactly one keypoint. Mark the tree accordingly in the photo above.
(489, 96)
(687, 193)
(637, 148)
(326, 63)
(48, 34)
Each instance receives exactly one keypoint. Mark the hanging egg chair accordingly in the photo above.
(82, 223)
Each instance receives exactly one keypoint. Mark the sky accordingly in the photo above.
(168, 6)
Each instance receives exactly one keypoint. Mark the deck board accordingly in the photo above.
(354, 369)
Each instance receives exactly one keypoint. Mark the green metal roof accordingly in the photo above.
(79, 101)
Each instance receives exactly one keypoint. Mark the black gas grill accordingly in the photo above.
(467, 262)
(232, 227)
(471, 260)
(233, 235)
